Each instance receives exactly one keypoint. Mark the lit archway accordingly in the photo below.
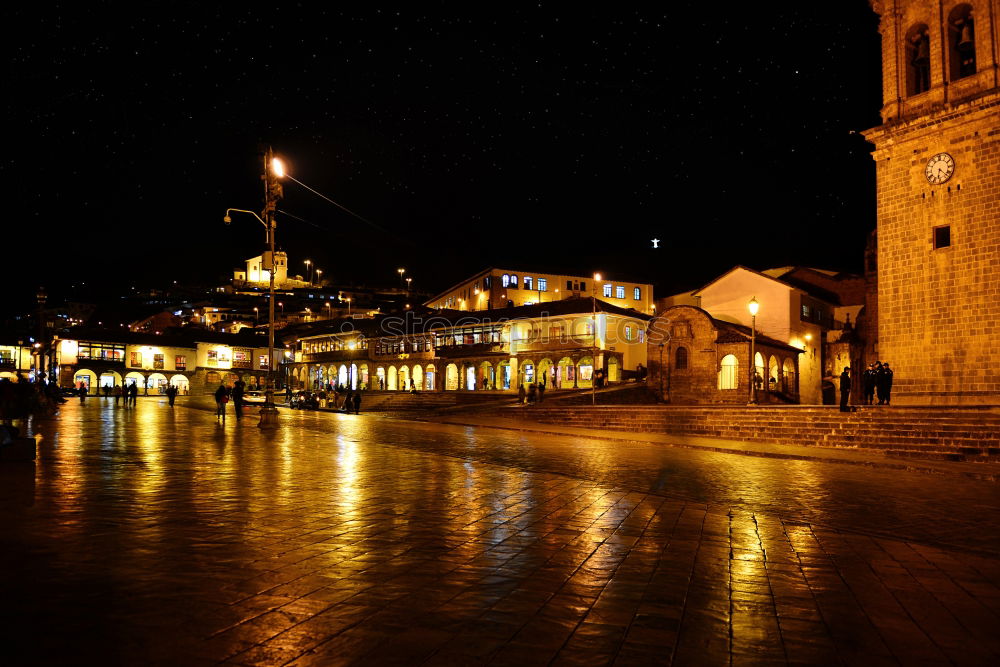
(380, 377)
(404, 378)
(451, 377)
(157, 383)
(182, 384)
(503, 375)
(138, 378)
(430, 375)
(788, 377)
(418, 377)
(773, 373)
(485, 377)
(352, 376)
(391, 383)
(545, 372)
(526, 372)
(470, 378)
(110, 379)
(342, 376)
(729, 372)
(614, 369)
(585, 372)
(363, 378)
(86, 379)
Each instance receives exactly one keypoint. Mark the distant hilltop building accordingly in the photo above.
(937, 166)
(257, 273)
(502, 288)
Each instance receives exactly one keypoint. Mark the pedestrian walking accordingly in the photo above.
(133, 393)
(171, 395)
(221, 398)
(117, 391)
(884, 384)
(541, 392)
(83, 392)
(845, 389)
(520, 394)
(532, 392)
(357, 402)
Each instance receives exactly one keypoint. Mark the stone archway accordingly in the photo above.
(543, 373)
(182, 383)
(430, 377)
(404, 378)
(156, 383)
(85, 378)
(585, 372)
(451, 377)
(418, 377)
(565, 374)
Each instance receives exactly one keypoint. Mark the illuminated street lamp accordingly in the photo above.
(273, 171)
(408, 281)
(319, 276)
(753, 307)
(329, 310)
(400, 271)
(593, 358)
(255, 311)
(282, 305)
(348, 300)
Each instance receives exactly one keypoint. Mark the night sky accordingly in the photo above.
(538, 136)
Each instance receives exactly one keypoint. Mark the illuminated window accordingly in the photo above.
(543, 284)
(505, 280)
(513, 281)
(805, 312)
(135, 360)
(180, 362)
(527, 282)
(642, 335)
(942, 236)
(607, 291)
(628, 332)
(637, 294)
(158, 361)
(728, 372)
(619, 292)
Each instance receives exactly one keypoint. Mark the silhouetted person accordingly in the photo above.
(133, 393)
(869, 379)
(221, 398)
(171, 395)
(238, 398)
(884, 384)
(520, 393)
(357, 402)
(845, 389)
(83, 392)
(541, 392)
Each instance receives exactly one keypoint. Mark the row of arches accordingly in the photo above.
(960, 37)
(777, 376)
(484, 375)
(107, 380)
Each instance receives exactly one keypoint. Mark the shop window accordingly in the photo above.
(942, 236)
(681, 359)
(637, 293)
(607, 291)
(543, 284)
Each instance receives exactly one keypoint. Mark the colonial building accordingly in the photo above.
(937, 157)
(258, 273)
(16, 356)
(496, 350)
(499, 288)
(194, 361)
(695, 358)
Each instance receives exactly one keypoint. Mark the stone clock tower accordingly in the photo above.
(937, 156)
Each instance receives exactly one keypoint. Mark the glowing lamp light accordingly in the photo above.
(597, 276)
(753, 306)
(278, 168)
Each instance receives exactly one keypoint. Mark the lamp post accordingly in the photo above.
(753, 307)
(661, 369)
(329, 311)
(319, 276)
(348, 300)
(274, 170)
(408, 280)
(281, 304)
(593, 368)
(308, 264)
(400, 271)
(256, 310)
(42, 297)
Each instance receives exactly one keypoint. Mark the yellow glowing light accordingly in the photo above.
(597, 276)
(278, 168)
(809, 336)
(753, 306)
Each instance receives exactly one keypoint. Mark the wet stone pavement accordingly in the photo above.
(159, 536)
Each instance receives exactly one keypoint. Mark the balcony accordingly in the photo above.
(474, 349)
(561, 343)
(335, 355)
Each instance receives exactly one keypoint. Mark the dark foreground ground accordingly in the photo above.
(163, 536)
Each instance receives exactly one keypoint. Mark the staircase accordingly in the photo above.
(933, 432)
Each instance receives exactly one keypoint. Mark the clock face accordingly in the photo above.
(939, 168)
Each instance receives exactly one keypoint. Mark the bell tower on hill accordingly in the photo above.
(937, 156)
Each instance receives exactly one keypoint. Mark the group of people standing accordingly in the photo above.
(535, 392)
(222, 397)
(877, 379)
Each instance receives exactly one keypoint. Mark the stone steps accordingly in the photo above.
(938, 433)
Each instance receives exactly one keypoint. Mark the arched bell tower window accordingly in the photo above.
(918, 60)
(961, 42)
